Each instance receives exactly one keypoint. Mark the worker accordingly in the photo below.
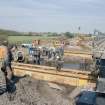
(35, 52)
(38, 57)
(20, 56)
(58, 63)
(35, 55)
(49, 54)
(6, 65)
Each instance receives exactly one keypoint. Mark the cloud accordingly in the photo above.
(50, 15)
(52, 7)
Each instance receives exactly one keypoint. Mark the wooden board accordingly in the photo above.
(62, 77)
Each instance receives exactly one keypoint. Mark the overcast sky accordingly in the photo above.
(52, 15)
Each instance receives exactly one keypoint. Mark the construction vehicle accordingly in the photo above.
(96, 97)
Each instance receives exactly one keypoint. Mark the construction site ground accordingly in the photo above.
(36, 92)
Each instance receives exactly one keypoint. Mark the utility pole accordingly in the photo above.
(79, 28)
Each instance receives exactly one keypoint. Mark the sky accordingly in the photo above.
(52, 15)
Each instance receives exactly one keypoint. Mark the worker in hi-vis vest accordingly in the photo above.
(6, 64)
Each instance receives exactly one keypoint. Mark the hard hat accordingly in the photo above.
(57, 57)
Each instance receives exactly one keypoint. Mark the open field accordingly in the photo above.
(28, 39)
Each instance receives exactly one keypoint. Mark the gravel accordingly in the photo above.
(35, 92)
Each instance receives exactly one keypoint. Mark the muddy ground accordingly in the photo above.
(35, 92)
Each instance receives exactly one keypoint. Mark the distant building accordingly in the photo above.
(59, 41)
(35, 34)
(54, 41)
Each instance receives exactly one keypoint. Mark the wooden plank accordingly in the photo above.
(51, 68)
(53, 78)
(62, 73)
(87, 55)
(78, 52)
(32, 65)
(78, 55)
(50, 74)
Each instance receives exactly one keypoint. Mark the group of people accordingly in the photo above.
(55, 56)
(35, 55)
(52, 55)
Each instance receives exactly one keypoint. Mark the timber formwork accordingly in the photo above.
(65, 76)
(86, 55)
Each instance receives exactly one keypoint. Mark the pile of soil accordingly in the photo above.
(35, 92)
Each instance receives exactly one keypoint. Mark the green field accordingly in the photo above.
(26, 39)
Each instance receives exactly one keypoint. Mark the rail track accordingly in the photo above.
(65, 76)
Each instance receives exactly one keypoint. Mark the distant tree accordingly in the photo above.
(69, 35)
(54, 34)
(90, 35)
(30, 33)
(9, 32)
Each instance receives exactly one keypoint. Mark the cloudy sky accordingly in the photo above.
(52, 15)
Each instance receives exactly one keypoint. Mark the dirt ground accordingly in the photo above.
(35, 92)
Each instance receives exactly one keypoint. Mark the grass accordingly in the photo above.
(26, 39)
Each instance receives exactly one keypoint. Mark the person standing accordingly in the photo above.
(58, 62)
(6, 65)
